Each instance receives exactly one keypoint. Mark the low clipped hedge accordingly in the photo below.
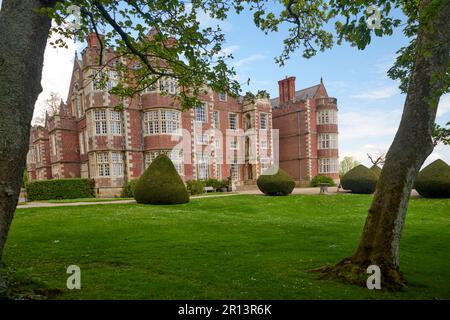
(60, 189)
(160, 184)
(128, 189)
(317, 180)
(434, 180)
(278, 184)
(360, 180)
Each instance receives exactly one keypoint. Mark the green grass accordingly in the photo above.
(237, 247)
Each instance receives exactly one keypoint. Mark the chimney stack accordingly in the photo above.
(93, 41)
(286, 88)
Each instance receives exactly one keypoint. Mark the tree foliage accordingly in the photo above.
(347, 164)
(178, 46)
(441, 134)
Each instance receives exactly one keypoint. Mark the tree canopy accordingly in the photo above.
(181, 48)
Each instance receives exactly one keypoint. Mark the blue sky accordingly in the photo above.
(370, 104)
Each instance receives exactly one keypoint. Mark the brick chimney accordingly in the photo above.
(93, 41)
(286, 89)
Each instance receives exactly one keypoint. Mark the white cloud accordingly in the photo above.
(384, 64)
(364, 125)
(444, 106)
(377, 93)
(250, 59)
(58, 64)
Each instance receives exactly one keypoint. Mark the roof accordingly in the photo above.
(303, 94)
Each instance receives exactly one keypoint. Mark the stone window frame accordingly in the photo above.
(326, 141)
(263, 166)
(103, 124)
(223, 96)
(117, 163)
(216, 119)
(110, 164)
(328, 165)
(201, 117)
(236, 126)
(264, 115)
(54, 144)
(102, 164)
(202, 139)
(264, 147)
(202, 164)
(328, 116)
(112, 79)
(234, 169)
(155, 125)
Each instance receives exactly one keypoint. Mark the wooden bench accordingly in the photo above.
(208, 189)
(323, 188)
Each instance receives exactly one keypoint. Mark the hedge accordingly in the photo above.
(434, 180)
(128, 189)
(359, 180)
(160, 184)
(195, 186)
(60, 189)
(317, 180)
(278, 184)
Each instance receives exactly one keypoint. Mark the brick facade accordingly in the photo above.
(308, 131)
(90, 137)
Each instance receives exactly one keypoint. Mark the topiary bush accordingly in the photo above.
(321, 179)
(376, 170)
(160, 184)
(434, 180)
(195, 186)
(278, 184)
(128, 189)
(360, 179)
(60, 189)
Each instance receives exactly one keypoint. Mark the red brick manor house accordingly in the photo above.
(226, 137)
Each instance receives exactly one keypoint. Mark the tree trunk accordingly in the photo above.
(380, 241)
(23, 37)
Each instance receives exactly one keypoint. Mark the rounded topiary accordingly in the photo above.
(360, 179)
(278, 184)
(376, 169)
(434, 180)
(160, 184)
(317, 180)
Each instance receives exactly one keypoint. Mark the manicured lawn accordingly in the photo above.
(83, 200)
(237, 247)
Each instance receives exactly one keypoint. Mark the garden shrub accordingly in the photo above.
(322, 179)
(128, 189)
(360, 179)
(195, 186)
(376, 169)
(278, 184)
(224, 184)
(434, 180)
(60, 189)
(160, 184)
(216, 184)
